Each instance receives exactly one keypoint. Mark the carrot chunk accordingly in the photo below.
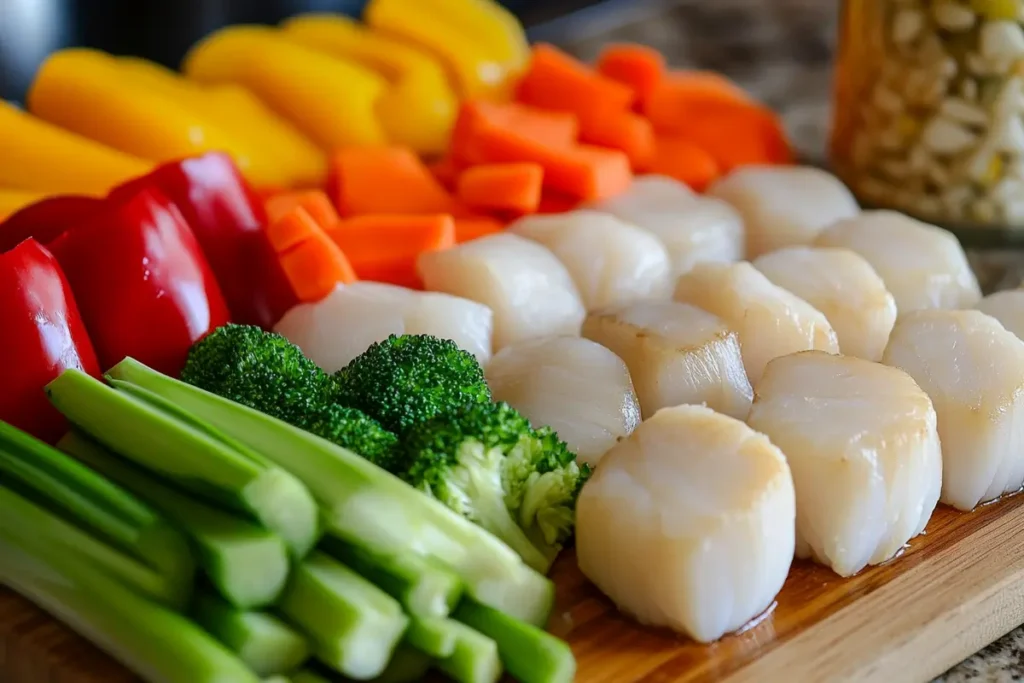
(679, 158)
(315, 202)
(556, 202)
(624, 131)
(501, 187)
(446, 170)
(467, 229)
(637, 66)
(312, 262)
(391, 180)
(556, 80)
(683, 96)
(740, 135)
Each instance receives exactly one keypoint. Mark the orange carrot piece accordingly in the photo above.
(583, 171)
(637, 66)
(511, 187)
(741, 135)
(391, 180)
(679, 158)
(312, 262)
(384, 247)
(556, 202)
(467, 229)
(554, 128)
(446, 170)
(624, 131)
(556, 80)
(292, 228)
(682, 96)
(315, 202)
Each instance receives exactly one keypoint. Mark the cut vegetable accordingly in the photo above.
(637, 66)
(311, 260)
(558, 81)
(680, 158)
(247, 564)
(384, 248)
(408, 665)
(173, 444)
(680, 97)
(501, 187)
(353, 493)
(433, 636)
(353, 625)
(384, 180)
(625, 131)
(316, 203)
(467, 229)
(475, 658)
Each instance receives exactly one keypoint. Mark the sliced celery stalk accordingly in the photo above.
(308, 676)
(434, 636)
(84, 499)
(266, 644)
(475, 659)
(353, 625)
(424, 587)
(160, 438)
(246, 563)
(156, 643)
(407, 665)
(529, 654)
(366, 505)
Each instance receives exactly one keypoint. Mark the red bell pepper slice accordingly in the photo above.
(47, 219)
(141, 281)
(42, 335)
(229, 221)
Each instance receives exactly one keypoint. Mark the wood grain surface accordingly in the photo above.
(954, 590)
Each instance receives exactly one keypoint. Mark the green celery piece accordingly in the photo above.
(159, 645)
(366, 505)
(424, 587)
(84, 499)
(277, 679)
(246, 563)
(353, 625)
(308, 676)
(266, 644)
(475, 659)
(434, 636)
(177, 446)
(406, 666)
(529, 654)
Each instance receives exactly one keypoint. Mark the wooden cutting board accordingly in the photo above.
(956, 589)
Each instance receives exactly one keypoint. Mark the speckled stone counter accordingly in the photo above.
(780, 50)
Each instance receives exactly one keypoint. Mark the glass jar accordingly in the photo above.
(928, 109)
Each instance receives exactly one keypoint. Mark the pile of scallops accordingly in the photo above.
(815, 400)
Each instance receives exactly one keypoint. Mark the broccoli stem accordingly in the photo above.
(474, 660)
(151, 640)
(424, 588)
(179, 447)
(353, 625)
(529, 654)
(366, 505)
(266, 644)
(247, 564)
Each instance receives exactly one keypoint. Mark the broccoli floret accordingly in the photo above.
(354, 430)
(485, 462)
(408, 379)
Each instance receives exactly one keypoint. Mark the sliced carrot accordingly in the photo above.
(315, 202)
(384, 247)
(556, 202)
(583, 171)
(391, 180)
(740, 135)
(467, 229)
(446, 170)
(624, 131)
(679, 158)
(312, 262)
(511, 187)
(292, 228)
(556, 80)
(637, 66)
(554, 128)
(682, 96)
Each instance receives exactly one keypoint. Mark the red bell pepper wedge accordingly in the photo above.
(42, 335)
(47, 219)
(229, 221)
(143, 286)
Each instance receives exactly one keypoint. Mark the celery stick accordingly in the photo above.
(407, 665)
(308, 676)
(366, 505)
(529, 654)
(353, 625)
(158, 436)
(84, 499)
(474, 660)
(434, 636)
(277, 679)
(159, 645)
(424, 587)
(246, 563)
(266, 644)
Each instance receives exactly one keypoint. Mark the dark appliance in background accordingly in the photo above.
(163, 30)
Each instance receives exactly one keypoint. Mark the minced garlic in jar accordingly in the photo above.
(928, 108)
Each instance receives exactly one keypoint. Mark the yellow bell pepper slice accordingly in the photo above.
(15, 200)
(37, 156)
(492, 25)
(484, 65)
(419, 109)
(86, 92)
(331, 100)
(232, 107)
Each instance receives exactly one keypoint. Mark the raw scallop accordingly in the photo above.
(844, 287)
(973, 370)
(676, 354)
(577, 387)
(336, 329)
(610, 261)
(693, 228)
(769, 320)
(529, 290)
(861, 440)
(689, 523)
(922, 265)
(1007, 307)
(783, 206)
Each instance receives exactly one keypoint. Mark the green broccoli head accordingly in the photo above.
(354, 430)
(258, 369)
(408, 379)
(485, 462)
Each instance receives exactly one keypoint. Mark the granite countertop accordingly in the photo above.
(780, 50)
